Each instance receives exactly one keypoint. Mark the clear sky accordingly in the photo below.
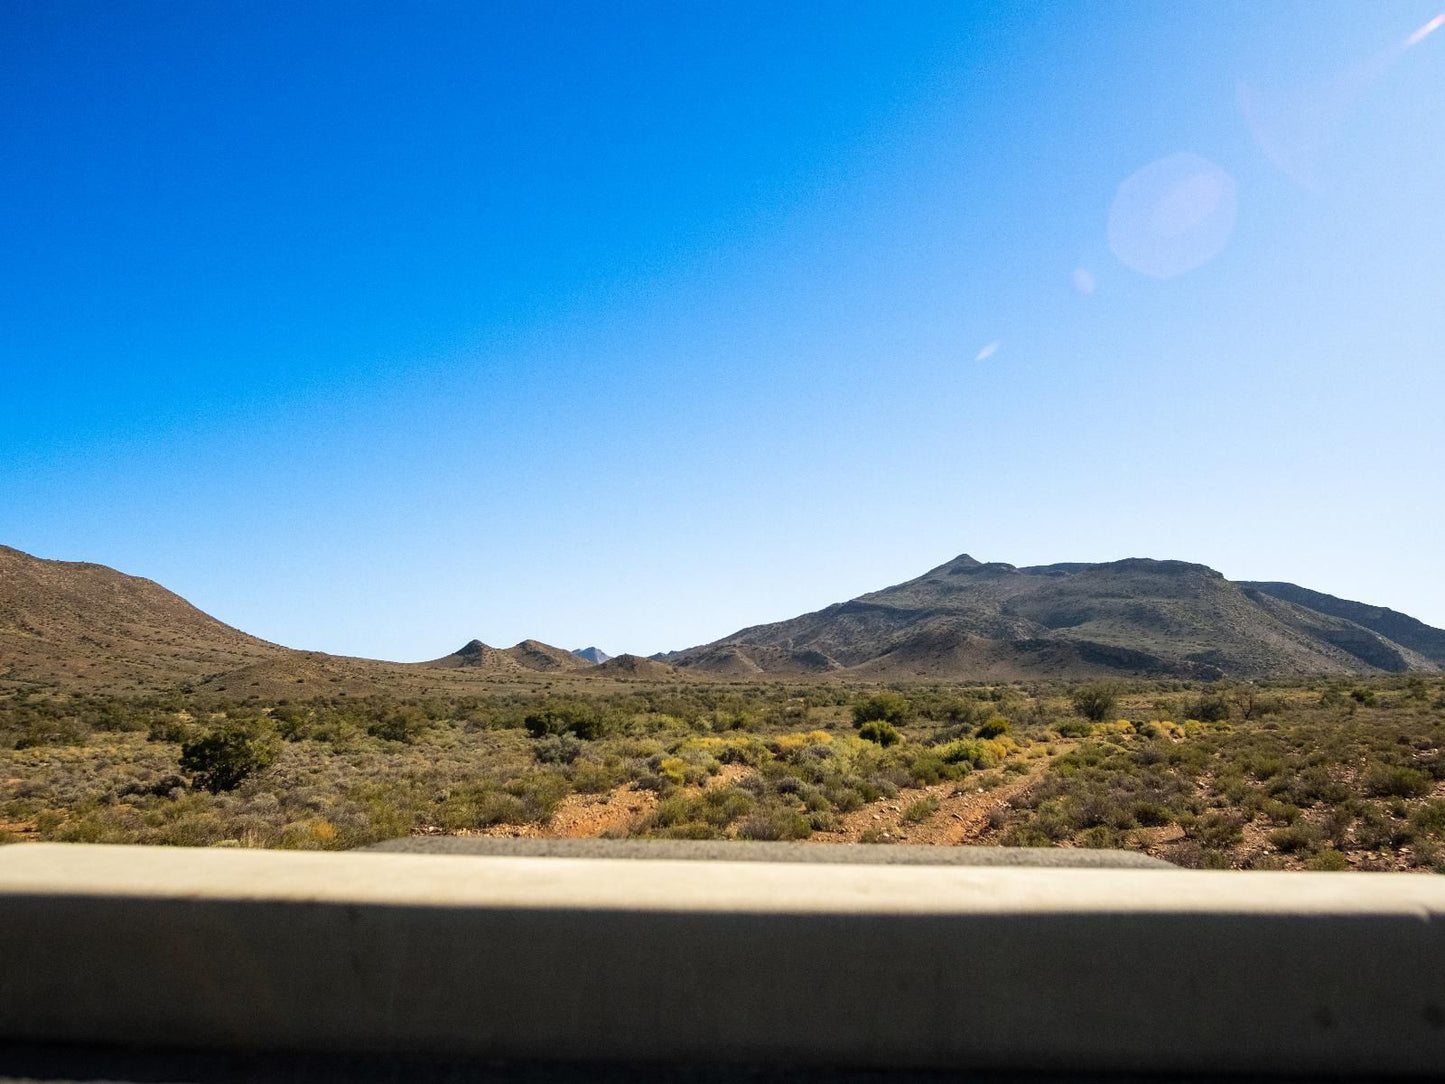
(372, 328)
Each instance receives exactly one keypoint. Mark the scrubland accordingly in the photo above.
(1327, 774)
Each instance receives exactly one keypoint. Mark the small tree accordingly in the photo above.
(1096, 701)
(221, 759)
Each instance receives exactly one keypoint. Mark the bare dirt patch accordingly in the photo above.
(962, 816)
(591, 816)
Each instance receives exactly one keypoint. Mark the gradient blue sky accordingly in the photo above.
(371, 328)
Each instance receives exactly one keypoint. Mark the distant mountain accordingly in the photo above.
(74, 623)
(970, 620)
(634, 666)
(528, 655)
(592, 654)
(85, 626)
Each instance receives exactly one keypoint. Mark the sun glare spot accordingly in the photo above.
(1172, 216)
(1426, 30)
(988, 351)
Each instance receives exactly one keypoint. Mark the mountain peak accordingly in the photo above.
(968, 619)
(965, 564)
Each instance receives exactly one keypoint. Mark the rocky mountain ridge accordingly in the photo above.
(85, 625)
(967, 619)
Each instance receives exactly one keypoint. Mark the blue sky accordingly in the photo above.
(374, 328)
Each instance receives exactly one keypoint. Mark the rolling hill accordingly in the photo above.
(86, 626)
(970, 620)
(75, 623)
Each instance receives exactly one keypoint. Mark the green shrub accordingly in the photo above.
(881, 733)
(557, 749)
(883, 707)
(1217, 829)
(1152, 814)
(970, 751)
(1192, 855)
(168, 728)
(1390, 781)
(993, 727)
(588, 721)
(775, 823)
(1329, 860)
(1429, 819)
(51, 730)
(404, 723)
(222, 759)
(1300, 836)
(539, 793)
(1210, 708)
(919, 811)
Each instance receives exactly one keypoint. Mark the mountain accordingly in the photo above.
(634, 666)
(967, 619)
(528, 655)
(591, 654)
(84, 624)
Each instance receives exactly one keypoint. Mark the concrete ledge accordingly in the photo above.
(712, 850)
(615, 961)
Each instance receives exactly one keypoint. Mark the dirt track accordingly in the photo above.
(962, 816)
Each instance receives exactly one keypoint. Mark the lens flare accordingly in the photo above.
(1296, 128)
(988, 351)
(1426, 30)
(1172, 216)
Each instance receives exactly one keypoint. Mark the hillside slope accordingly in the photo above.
(969, 620)
(1391, 624)
(88, 627)
(75, 623)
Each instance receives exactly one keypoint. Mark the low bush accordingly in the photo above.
(886, 707)
(919, 811)
(1385, 780)
(993, 727)
(880, 733)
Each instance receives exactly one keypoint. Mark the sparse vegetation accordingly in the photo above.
(1318, 779)
(1302, 777)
